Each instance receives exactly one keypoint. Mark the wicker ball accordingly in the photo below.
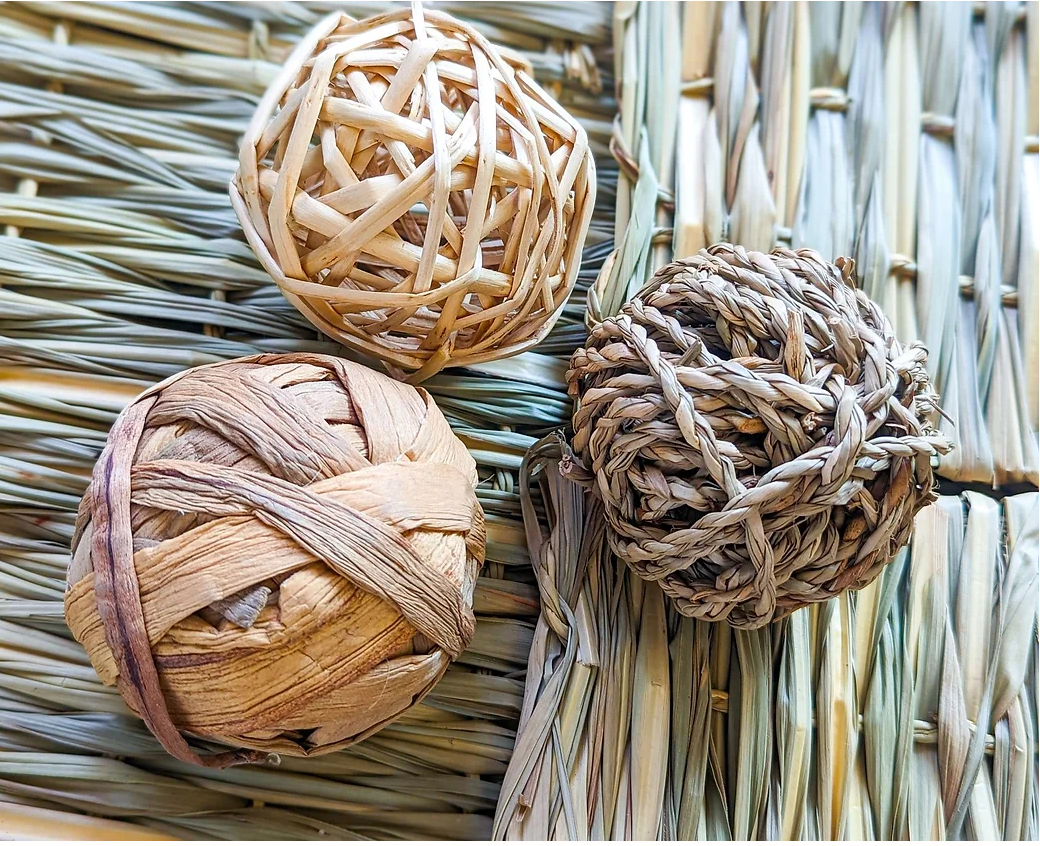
(277, 553)
(415, 195)
(758, 436)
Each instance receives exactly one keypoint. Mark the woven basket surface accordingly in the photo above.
(122, 263)
(904, 137)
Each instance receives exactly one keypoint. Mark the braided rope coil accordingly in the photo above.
(414, 194)
(277, 553)
(759, 438)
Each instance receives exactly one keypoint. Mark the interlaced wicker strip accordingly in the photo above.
(758, 436)
(414, 194)
(278, 553)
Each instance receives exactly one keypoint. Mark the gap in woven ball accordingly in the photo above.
(412, 226)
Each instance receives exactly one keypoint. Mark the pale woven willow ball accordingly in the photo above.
(415, 195)
(759, 438)
(277, 553)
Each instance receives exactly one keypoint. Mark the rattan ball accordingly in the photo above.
(759, 438)
(277, 553)
(416, 196)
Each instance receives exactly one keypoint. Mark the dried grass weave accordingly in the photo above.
(122, 263)
(897, 134)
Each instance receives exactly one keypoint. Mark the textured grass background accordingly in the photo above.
(121, 262)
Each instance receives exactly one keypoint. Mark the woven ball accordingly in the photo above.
(277, 553)
(415, 195)
(758, 436)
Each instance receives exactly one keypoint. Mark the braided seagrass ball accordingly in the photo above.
(759, 438)
(417, 196)
(277, 553)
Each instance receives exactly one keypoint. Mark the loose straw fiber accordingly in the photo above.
(278, 553)
(413, 194)
(758, 437)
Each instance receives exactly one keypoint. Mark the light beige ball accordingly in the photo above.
(417, 196)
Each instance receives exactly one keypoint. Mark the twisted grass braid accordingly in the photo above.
(758, 436)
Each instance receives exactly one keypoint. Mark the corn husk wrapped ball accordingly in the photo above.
(415, 195)
(277, 553)
(759, 438)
